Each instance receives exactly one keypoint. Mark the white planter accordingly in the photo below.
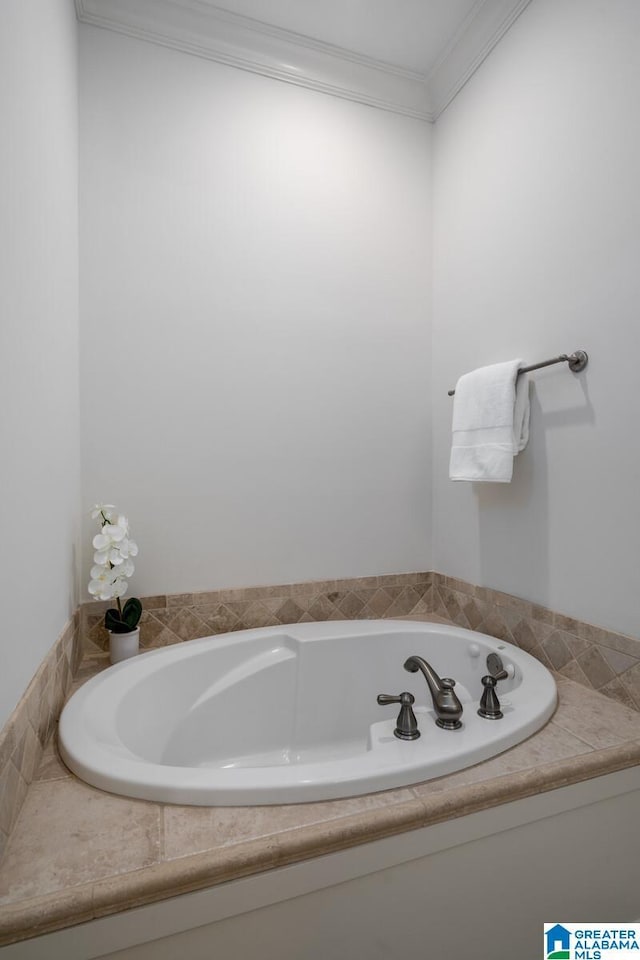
(123, 645)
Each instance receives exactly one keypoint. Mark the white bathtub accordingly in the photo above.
(289, 714)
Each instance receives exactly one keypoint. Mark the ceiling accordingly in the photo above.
(411, 34)
(407, 56)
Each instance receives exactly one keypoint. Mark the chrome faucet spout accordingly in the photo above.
(446, 705)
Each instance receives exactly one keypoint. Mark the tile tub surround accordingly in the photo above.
(597, 658)
(31, 724)
(187, 616)
(77, 853)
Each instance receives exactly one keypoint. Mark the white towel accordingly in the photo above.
(490, 422)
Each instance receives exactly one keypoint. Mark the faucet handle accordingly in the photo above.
(386, 698)
(489, 704)
(406, 725)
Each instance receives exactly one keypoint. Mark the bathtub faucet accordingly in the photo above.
(446, 705)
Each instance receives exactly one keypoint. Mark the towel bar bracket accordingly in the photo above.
(578, 361)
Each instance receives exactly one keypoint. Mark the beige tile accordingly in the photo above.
(425, 577)
(593, 718)
(380, 602)
(460, 586)
(543, 614)
(557, 649)
(12, 792)
(616, 690)
(550, 744)
(288, 611)
(615, 641)
(577, 645)
(31, 753)
(495, 626)
(572, 671)
(218, 617)
(7, 746)
(189, 830)
(26, 919)
(257, 615)
(619, 662)
(51, 766)
(150, 629)
(631, 682)
(351, 606)
(568, 624)
(90, 667)
(422, 606)
(524, 636)
(187, 626)
(472, 614)
(596, 667)
(362, 826)
(156, 602)
(70, 834)
(180, 600)
(113, 894)
(365, 583)
(320, 608)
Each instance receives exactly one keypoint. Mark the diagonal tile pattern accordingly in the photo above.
(187, 616)
(596, 658)
(593, 657)
(29, 728)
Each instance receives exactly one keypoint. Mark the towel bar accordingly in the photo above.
(577, 361)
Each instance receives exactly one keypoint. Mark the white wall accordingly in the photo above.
(39, 435)
(255, 343)
(537, 252)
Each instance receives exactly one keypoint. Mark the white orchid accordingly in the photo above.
(102, 509)
(101, 583)
(124, 569)
(107, 543)
(113, 566)
(126, 548)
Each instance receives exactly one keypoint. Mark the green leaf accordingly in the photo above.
(131, 613)
(113, 622)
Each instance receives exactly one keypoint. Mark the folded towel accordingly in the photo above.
(490, 422)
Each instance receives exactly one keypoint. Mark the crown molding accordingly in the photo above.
(200, 28)
(478, 35)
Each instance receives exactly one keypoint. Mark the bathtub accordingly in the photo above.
(289, 714)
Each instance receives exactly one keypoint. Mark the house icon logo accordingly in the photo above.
(557, 938)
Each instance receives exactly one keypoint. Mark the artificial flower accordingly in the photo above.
(112, 566)
(102, 509)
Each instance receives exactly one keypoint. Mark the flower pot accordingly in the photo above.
(123, 645)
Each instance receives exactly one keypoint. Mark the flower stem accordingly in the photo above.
(119, 606)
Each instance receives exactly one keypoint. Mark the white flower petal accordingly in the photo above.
(102, 509)
(101, 590)
(114, 532)
(100, 541)
(101, 557)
